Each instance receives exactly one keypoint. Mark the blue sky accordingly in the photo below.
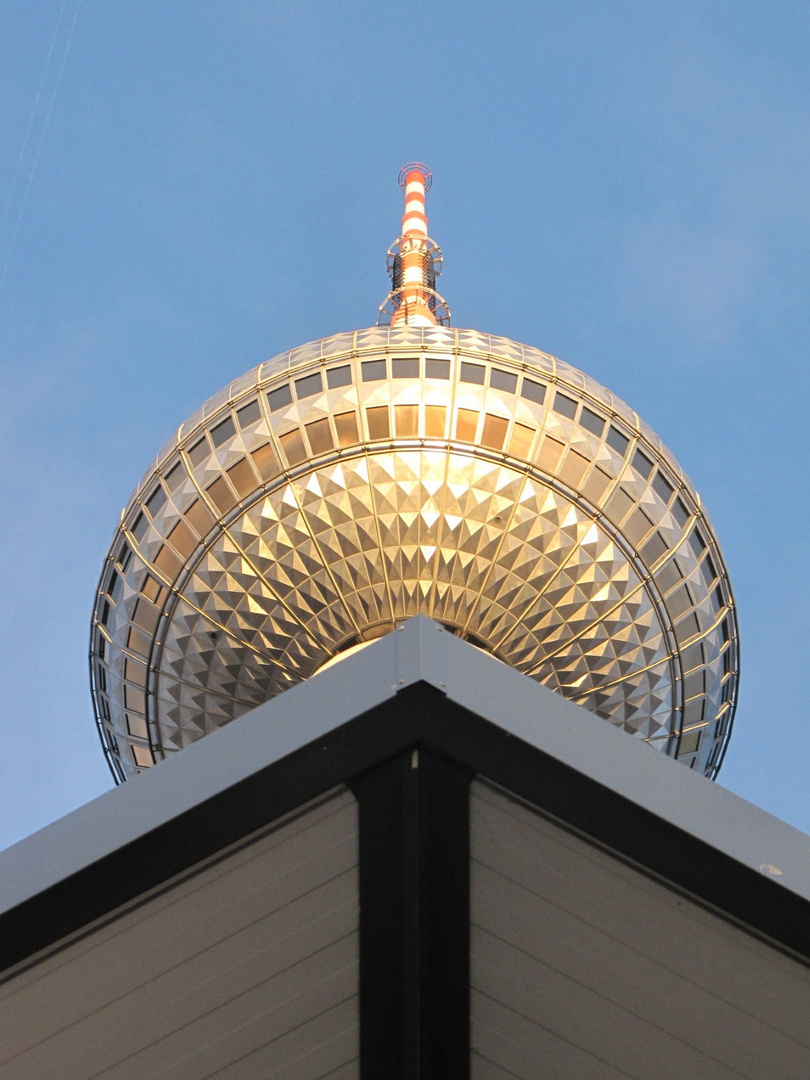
(189, 188)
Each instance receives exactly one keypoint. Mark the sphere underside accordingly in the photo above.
(369, 477)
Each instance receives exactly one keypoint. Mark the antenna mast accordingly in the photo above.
(414, 260)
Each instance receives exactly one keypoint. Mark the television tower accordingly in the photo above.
(408, 468)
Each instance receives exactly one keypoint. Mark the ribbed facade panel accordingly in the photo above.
(582, 966)
(246, 967)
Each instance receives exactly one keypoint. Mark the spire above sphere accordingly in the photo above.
(414, 260)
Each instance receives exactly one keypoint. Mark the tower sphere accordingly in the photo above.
(346, 485)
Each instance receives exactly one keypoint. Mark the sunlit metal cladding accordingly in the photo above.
(340, 488)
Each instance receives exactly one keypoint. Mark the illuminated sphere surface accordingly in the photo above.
(353, 482)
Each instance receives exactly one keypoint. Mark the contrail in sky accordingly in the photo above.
(43, 132)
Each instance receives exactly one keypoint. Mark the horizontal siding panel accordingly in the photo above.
(349, 1071)
(663, 998)
(226, 862)
(239, 968)
(712, 954)
(575, 941)
(225, 890)
(240, 941)
(306, 1053)
(506, 1043)
(251, 1026)
(166, 931)
(578, 1015)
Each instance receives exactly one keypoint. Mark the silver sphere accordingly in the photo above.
(340, 488)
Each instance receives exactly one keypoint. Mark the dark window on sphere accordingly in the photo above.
(565, 406)
(280, 397)
(225, 430)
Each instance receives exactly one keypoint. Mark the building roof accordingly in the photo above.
(421, 862)
(419, 685)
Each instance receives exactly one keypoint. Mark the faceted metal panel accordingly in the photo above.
(356, 481)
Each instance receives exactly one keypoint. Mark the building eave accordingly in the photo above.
(420, 686)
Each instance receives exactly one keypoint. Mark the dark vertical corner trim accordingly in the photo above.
(415, 919)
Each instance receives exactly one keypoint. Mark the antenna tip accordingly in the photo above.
(412, 167)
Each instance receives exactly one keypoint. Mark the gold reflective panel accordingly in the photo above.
(438, 472)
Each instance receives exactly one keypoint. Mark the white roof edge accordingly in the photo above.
(420, 650)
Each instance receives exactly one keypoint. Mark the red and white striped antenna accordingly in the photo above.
(414, 260)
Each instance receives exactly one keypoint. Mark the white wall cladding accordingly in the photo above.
(247, 967)
(583, 967)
